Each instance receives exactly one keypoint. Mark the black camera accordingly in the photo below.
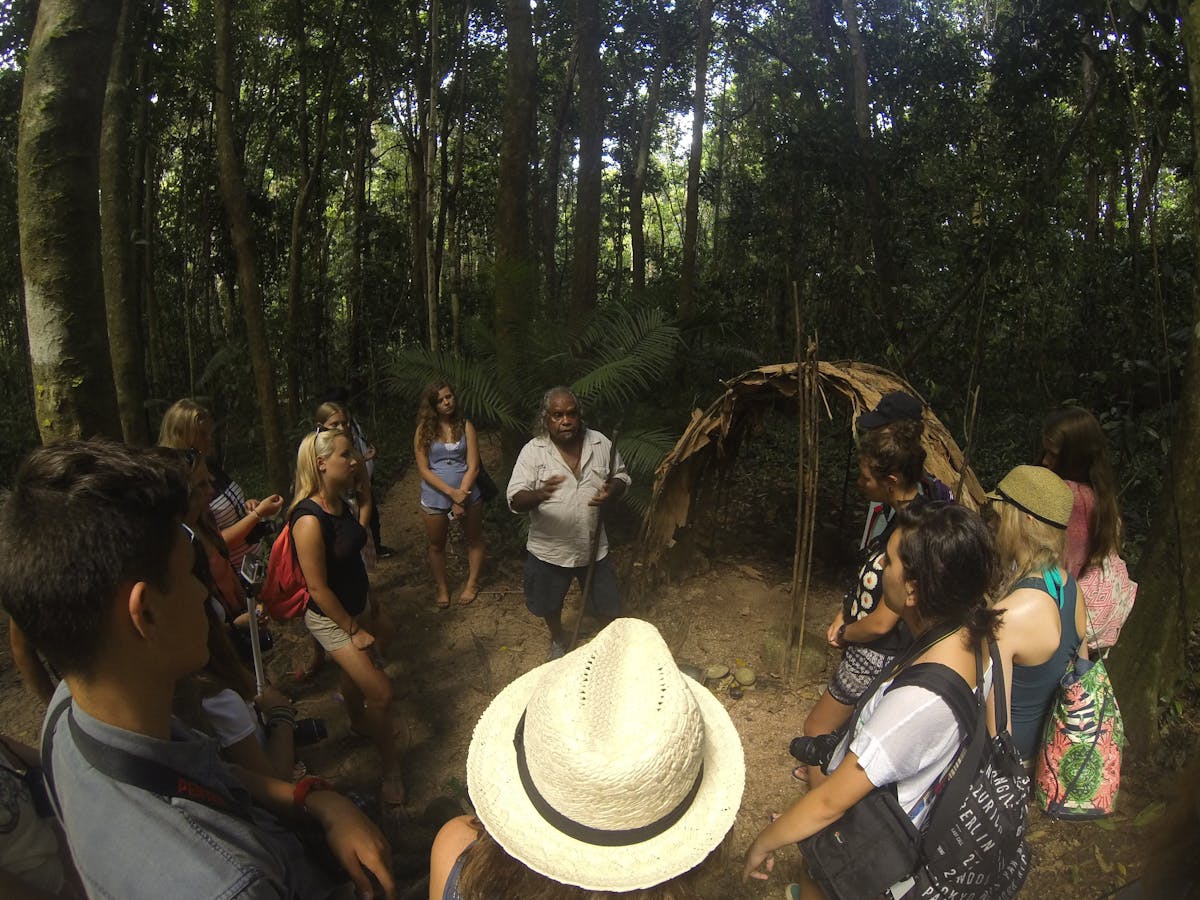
(815, 751)
(309, 731)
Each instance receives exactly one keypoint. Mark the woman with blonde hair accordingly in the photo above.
(1044, 621)
(1074, 449)
(329, 542)
(187, 424)
(446, 450)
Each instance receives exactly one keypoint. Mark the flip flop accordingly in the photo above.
(464, 600)
(800, 773)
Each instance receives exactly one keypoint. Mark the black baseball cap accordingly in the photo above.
(891, 407)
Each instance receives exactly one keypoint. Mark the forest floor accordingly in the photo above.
(447, 665)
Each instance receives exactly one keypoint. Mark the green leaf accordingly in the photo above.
(1150, 813)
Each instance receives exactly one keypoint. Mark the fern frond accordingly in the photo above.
(643, 449)
(482, 398)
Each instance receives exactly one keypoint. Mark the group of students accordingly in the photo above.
(605, 770)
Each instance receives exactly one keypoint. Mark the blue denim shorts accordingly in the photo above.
(546, 586)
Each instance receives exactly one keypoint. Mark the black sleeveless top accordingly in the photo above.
(344, 540)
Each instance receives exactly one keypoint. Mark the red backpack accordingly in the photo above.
(284, 593)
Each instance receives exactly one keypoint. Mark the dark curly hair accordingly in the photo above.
(947, 550)
(895, 449)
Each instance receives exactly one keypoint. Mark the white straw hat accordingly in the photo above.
(607, 769)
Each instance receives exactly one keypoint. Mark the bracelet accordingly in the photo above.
(841, 635)
(254, 512)
(306, 786)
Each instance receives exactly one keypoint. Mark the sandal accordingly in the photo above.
(465, 599)
(391, 791)
(800, 773)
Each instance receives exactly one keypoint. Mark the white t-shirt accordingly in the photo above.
(907, 737)
(232, 718)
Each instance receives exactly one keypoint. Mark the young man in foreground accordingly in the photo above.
(97, 568)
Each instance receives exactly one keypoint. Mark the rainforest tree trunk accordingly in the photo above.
(116, 229)
(691, 210)
(241, 228)
(58, 181)
(515, 283)
(591, 141)
(1148, 662)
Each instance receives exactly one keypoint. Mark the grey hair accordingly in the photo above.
(540, 429)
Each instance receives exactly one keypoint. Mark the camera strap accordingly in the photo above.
(140, 772)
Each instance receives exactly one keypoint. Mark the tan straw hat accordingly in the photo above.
(1037, 491)
(607, 769)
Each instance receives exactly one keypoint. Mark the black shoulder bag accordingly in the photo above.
(876, 828)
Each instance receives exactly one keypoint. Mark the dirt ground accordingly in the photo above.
(447, 665)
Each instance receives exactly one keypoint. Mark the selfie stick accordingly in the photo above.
(254, 572)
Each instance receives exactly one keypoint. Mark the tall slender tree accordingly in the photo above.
(514, 277)
(691, 212)
(241, 228)
(591, 165)
(116, 227)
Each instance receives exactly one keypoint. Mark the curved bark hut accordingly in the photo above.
(715, 436)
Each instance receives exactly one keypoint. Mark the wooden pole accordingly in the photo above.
(806, 469)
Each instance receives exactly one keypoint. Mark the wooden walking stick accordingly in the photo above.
(591, 571)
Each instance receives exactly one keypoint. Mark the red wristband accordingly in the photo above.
(306, 786)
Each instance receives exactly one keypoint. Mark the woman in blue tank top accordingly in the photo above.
(1043, 623)
(446, 450)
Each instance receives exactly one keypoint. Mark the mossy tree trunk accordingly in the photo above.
(1148, 662)
(58, 181)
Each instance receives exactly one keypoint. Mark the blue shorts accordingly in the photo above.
(546, 586)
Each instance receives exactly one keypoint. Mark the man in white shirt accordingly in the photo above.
(561, 479)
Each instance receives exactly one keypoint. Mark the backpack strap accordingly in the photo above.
(967, 766)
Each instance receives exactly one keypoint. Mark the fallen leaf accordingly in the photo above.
(1150, 813)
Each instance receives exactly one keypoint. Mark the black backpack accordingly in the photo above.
(973, 845)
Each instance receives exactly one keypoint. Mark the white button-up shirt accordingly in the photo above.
(561, 527)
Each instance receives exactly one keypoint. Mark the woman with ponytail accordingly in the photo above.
(937, 568)
(1074, 449)
(329, 542)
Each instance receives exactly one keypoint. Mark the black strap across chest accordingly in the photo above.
(139, 772)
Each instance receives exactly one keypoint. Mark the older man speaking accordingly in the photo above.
(561, 479)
